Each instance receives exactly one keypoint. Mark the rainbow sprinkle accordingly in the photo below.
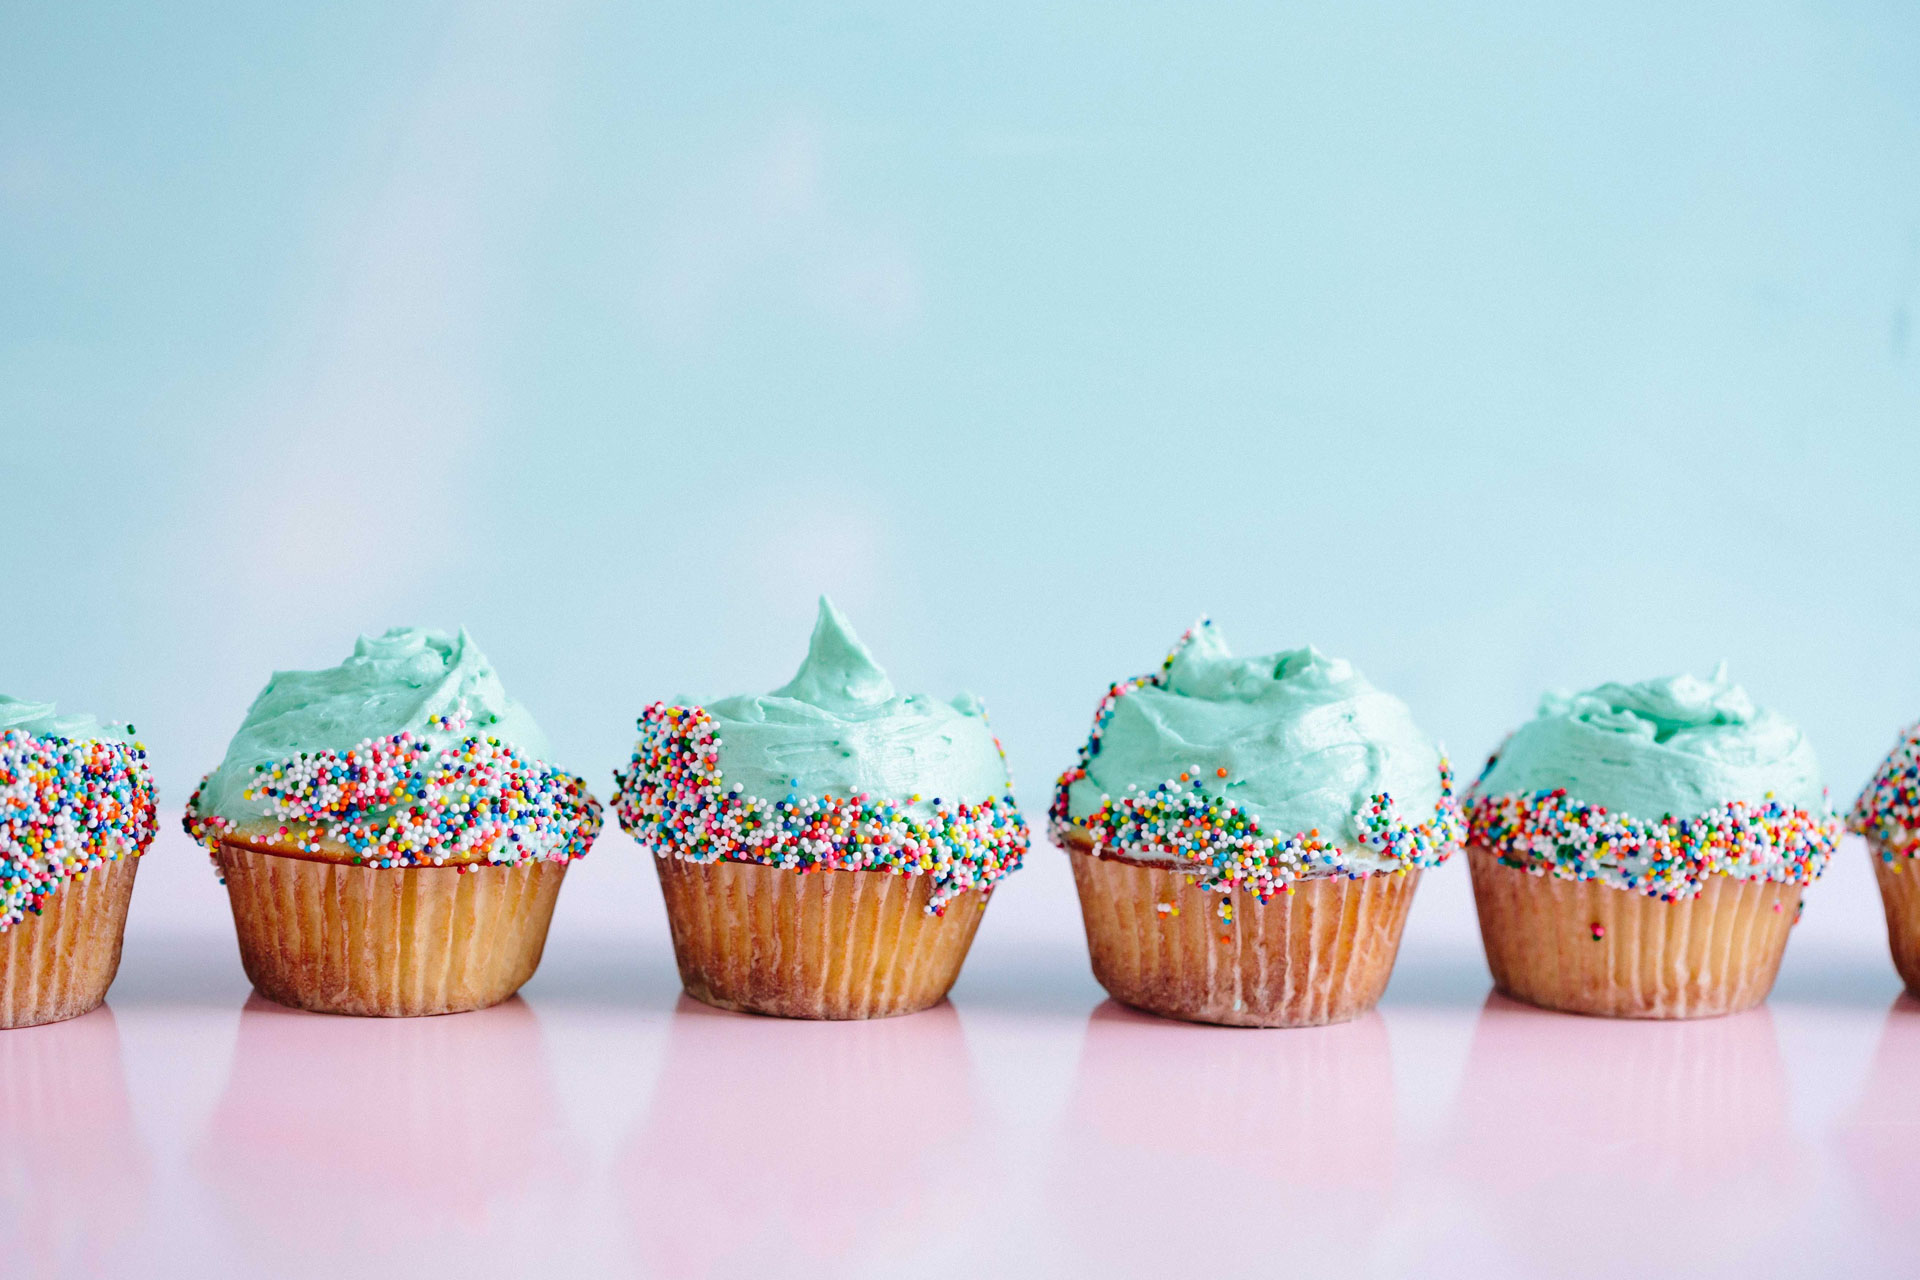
(399, 802)
(1057, 819)
(1222, 844)
(66, 807)
(1224, 849)
(672, 799)
(1546, 832)
(1888, 810)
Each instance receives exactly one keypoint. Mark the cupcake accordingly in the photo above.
(390, 832)
(1888, 815)
(1246, 835)
(1638, 850)
(825, 850)
(76, 813)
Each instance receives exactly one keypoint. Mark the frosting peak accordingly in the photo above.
(839, 672)
(1287, 744)
(1654, 787)
(434, 685)
(43, 720)
(1672, 747)
(840, 728)
(834, 770)
(1206, 668)
(1658, 709)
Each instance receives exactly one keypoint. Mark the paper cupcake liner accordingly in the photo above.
(813, 944)
(398, 942)
(59, 964)
(1585, 947)
(1900, 895)
(1320, 954)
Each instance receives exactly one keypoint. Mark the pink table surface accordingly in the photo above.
(601, 1124)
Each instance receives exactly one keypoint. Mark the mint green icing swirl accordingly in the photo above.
(438, 687)
(838, 728)
(1675, 747)
(42, 720)
(1306, 740)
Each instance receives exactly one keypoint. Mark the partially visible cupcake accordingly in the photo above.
(825, 850)
(1247, 833)
(1888, 815)
(1639, 850)
(76, 813)
(391, 832)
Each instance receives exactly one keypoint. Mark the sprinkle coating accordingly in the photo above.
(66, 807)
(1224, 849)
(1549, 833)
(399, 802)
(673, 799)
(1888, 808)
(1222, 845)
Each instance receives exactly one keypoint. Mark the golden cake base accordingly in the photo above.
(1712, 954)
(813, 944)
(1320, 954)
(401, 942)
(1900, 896)
(59, 964)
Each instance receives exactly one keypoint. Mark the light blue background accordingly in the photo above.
(1493, 346)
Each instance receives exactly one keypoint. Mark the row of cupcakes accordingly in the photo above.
(1246, 835)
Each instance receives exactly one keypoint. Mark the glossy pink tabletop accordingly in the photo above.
(601, 1124)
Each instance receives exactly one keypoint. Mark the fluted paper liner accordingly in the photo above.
(813, 944)
(1320, 954)
(1900, 895)
(1715, 953)
(59, 964)
(398, 942)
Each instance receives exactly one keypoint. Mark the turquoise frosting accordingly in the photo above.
(1674, 747)
(42, 720)
(407, 680)
(838, 728)
(1305, 740)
